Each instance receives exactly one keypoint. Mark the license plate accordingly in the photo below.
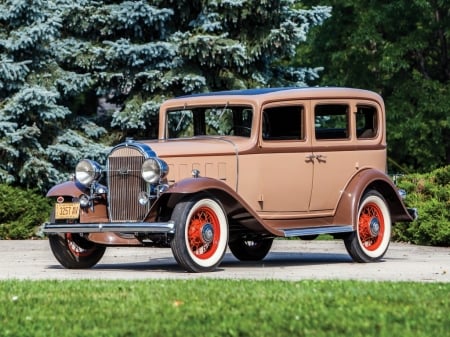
(67, 210)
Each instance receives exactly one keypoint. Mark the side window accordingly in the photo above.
(366, 122)
(331, 121)
(283, 123)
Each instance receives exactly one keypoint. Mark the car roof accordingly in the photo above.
(302, 92)
(263, 95)
(242, 92)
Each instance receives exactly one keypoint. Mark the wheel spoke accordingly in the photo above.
(203, 233)
(75, 247)
(370, 235)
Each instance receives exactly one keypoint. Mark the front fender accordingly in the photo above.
(236, 208)
(347, 209)
(68, 188)
(97, 213)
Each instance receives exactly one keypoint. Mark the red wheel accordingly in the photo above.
(201, 234)
(371, 226)
(373, 233)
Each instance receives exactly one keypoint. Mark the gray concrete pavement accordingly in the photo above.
(288, 260)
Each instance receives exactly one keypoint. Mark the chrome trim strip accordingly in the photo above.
(125, 227)
(317, 230)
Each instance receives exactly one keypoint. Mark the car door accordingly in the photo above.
(285, 159)
(346, 138)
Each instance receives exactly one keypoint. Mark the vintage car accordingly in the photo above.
(237, 169)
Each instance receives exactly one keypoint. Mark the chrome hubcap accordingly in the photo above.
(207, 233)
(374, 227)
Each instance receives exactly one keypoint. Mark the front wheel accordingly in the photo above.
(250, 250)
(201, 234)
(371, 239)
(75, 252)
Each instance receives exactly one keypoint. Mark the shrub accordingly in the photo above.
(21, 212)
(430, 194)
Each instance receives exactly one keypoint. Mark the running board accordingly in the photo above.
(317, 230)
(133, 227)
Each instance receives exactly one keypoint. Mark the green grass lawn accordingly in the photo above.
(223, 308)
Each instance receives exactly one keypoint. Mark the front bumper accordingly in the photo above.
(123, 227)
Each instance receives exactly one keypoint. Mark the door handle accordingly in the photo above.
(310, 157)
(321, 157)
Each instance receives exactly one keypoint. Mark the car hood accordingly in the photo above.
(199, 146)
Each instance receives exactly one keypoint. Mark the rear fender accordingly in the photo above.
(236, 208)
(347, 209)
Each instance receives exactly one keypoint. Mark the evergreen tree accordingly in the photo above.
(146, 51)
(39, 144)
(58, 57)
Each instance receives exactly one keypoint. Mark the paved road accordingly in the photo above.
(288, 260)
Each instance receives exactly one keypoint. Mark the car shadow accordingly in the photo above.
(279, 259)
(272, 260)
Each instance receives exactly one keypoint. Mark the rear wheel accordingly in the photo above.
(250, 250)
(371, 239)
(201, 234)
(75, 252)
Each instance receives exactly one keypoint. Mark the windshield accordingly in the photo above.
(210, 121)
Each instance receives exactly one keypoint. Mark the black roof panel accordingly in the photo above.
(257, 91)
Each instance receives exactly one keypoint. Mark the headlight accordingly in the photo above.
(87, 171)
(154, 169)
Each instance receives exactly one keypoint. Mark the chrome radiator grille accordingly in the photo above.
(125, 183)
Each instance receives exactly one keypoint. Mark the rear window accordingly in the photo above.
(366, 122)
(331, 121)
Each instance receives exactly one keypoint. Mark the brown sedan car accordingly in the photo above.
(237, 169)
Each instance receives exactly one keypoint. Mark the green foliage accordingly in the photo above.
(21, 212)
(223, 308)
(430, 194)
(401, 50)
